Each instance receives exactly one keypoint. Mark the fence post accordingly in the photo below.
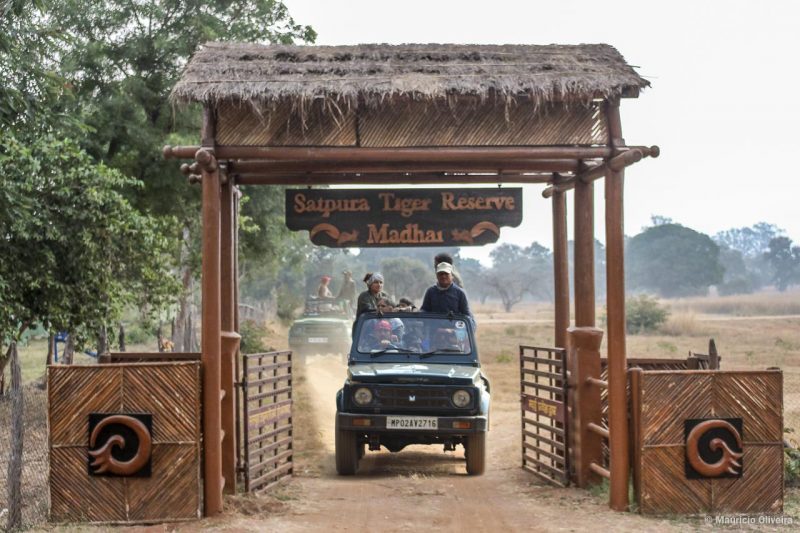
(584, 354)
(14, 488)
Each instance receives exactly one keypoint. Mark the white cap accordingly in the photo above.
(444, 267)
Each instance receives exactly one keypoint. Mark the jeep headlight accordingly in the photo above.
(461, 398)
(362, 396)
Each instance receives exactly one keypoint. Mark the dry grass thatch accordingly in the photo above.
(375, 73)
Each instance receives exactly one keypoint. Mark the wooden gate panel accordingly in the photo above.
(757, 400)
(72, 490)
(170, 394)
(668, 400)
(668, 404)
(74, 392)
(178, 467)
(664, 489)
(545, 428)
(763, 469)
(266, 425)
(166, 388)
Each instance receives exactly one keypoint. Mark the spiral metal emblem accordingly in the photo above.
(120, 444)
(714, 448)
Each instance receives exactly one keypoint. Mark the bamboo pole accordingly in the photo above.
(615, 301)
(213, 481)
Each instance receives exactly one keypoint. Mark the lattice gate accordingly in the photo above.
(545, 428)
(266, 422)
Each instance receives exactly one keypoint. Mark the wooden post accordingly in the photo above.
(584, 255)
(211, 324)
(615, 302)
(230, 338)
(560, 269)
(584, 351)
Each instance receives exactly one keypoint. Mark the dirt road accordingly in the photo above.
(420, 488)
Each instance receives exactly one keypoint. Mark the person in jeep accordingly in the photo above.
(446, 296)
(381, 338)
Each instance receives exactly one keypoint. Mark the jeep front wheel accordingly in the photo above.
(476, 453)
(347, 449)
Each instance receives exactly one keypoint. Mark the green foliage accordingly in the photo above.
(137, 334)
(673, 260)
(791, 466)
(644, 313)
(74, 251)
(253, 335)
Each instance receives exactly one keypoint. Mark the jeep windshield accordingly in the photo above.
(408, 333)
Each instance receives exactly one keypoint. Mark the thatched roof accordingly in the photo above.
(270, 73)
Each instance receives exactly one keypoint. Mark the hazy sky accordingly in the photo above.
(722, 105)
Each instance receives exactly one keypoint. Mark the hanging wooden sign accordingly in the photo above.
(361, 218)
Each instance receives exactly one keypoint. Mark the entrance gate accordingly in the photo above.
(266, 424)
(545, 430)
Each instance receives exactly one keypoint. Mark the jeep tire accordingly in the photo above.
(347, 451)
(475, 451)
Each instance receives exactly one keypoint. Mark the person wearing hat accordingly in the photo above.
(323, 291)
(381, 337)
(348, 288)
(444, 257)
(446, 296)
(368, 300)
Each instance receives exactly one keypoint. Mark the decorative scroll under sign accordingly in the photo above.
(361, 218)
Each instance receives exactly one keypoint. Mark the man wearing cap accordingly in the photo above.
(446, 296)
(348, 289)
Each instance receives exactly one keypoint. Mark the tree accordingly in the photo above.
(121, 60)
(673, 260)
(518, 271)
(750, 241)
(784, 259)
(73, 251)
(405, 277)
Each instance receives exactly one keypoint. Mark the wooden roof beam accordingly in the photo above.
(386, 179)
(441, 154)
(625, 159)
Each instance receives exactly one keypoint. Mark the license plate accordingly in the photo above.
(412, 422)
(318, 340)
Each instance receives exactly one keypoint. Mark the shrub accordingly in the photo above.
(791, 466)
(644, 313)
(253, 335)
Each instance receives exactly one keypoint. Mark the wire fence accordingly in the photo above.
(34, 492)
